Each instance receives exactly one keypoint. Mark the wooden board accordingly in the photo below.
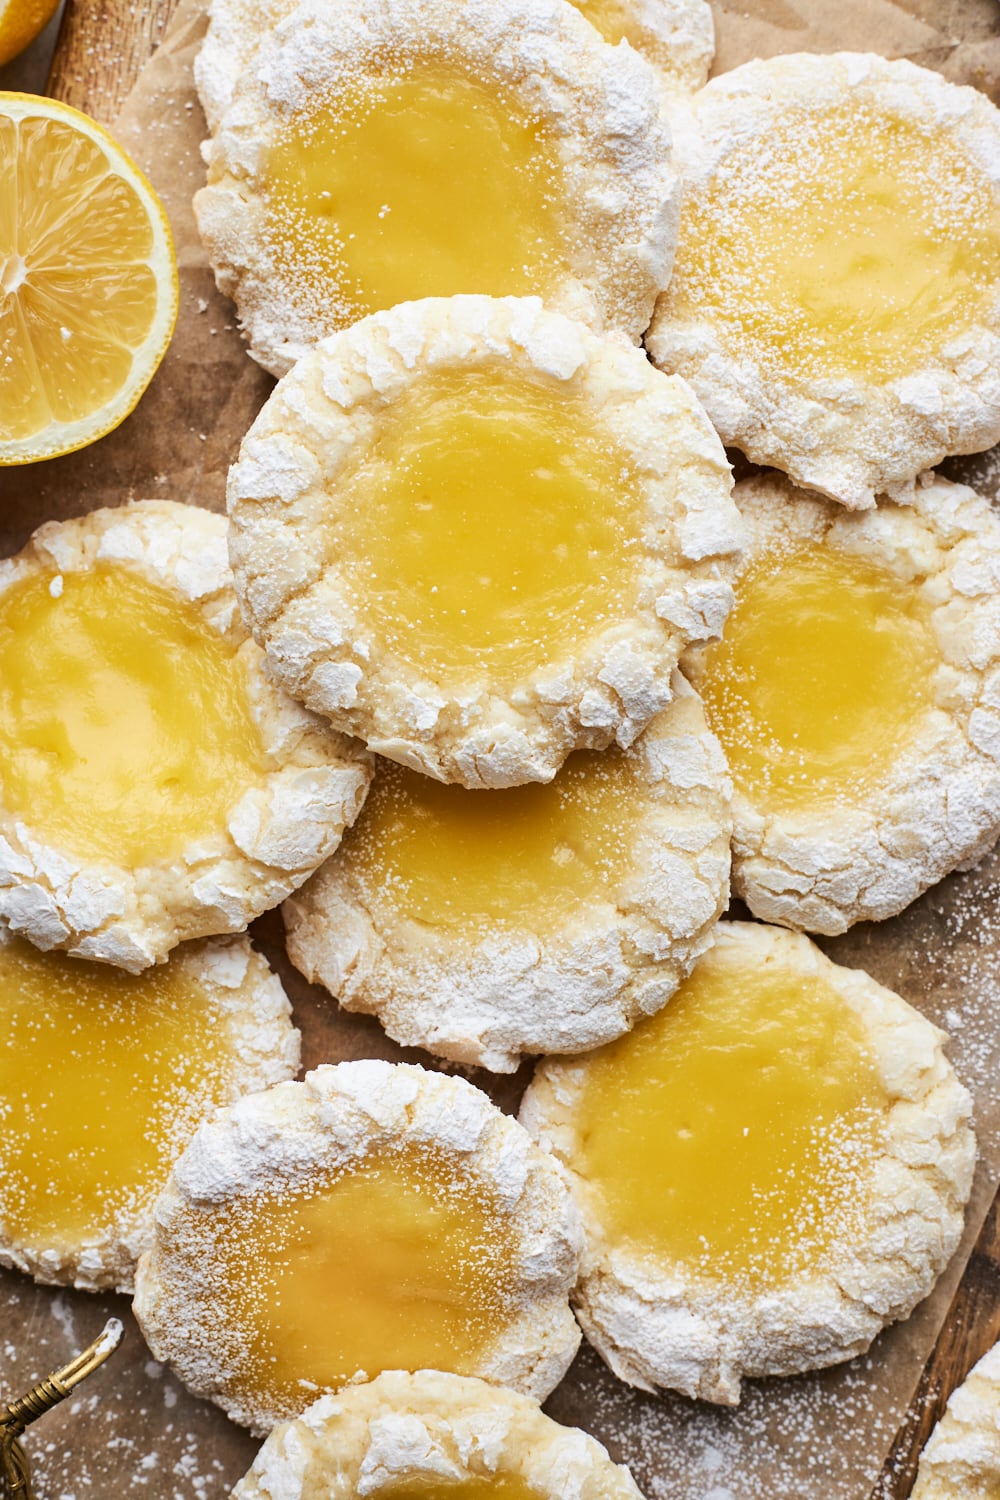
(102, 46)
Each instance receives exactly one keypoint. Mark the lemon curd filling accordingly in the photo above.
(612, 18)
(103, 1077)
(857, 244)
(735, 1132)
(426, 185)
(404, 1263)
(450, 857)
(489, 529)
(125, 727)
(822, 676)
(481, 1487)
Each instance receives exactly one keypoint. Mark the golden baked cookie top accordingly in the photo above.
(478, 536)
(104, 1078)
(154, 784)
(483, 925)
(676, 36)
(962, 1458)
(388, 150)
(856, 693)
(836, 294)
(428, 1434)
(770, 1170)
(373, 1217)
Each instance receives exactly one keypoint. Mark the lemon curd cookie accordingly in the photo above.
(478, 536)
(836, 294)
(375, 1216)
(962, 1458)
(389, 150)
(428, 1434)
(770, 1170)
(104, 1077)
(676, 36)
(857, 697)
(481, 925)
(154, 784)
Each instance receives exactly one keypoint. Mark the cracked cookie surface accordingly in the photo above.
(326, 199)
(428, 1433)
(962, 1458)
(856, 694)
(851, 369)
(478, 536)
(374, 1216)
(769, 1171)
(483, 925)
(155, 785)
(107, 1076)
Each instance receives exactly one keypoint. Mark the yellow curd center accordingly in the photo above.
(489, 528)
(425, 186)
(485, 1487)
(735, 1132)
(405, 1263)
(612, 18)
(856, 244)
(125, 729)
(822, 676)
(450, 857)
(103, 1078)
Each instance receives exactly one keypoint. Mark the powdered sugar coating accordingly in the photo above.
(600, 105)
(936, 807)
(845, 436)
(962, 1458)
(278, 831)
(676, 36)
(321, 419)
(483, 993)
(293, 1136)
(429, 1426)
(662, 1325)
(261, 1047)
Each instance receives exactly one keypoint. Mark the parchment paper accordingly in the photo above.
(133, 1431)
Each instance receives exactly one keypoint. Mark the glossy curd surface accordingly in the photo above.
(125, 727)
(489, 528)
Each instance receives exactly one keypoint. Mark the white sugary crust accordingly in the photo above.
(660, 1325)
(439, 1428)
(676, 36)
(484, 996)
(962, 1458)
(277, 833)
(282, 491)
(298, 1133)
(600, 105)
(847, 438)
(937, 806)
(262, 1048)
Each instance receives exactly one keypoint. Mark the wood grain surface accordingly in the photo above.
(101, 47)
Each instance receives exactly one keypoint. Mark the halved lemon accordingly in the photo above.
(88, 280)
(20, 23)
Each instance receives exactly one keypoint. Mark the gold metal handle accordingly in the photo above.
(15, 1478)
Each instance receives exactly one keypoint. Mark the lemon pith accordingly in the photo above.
(88, 280)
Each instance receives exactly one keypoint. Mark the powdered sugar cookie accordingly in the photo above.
(857, 698)
(541, 919)
(428, 1433)
(836, 295)
(375, 1216)
(104, 1077)
(836, 1141)
(577, 540)
(327, 198)
(962, 1458)
(676, 36)
(154, 784)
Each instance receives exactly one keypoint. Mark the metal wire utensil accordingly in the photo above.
(15, 1478)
